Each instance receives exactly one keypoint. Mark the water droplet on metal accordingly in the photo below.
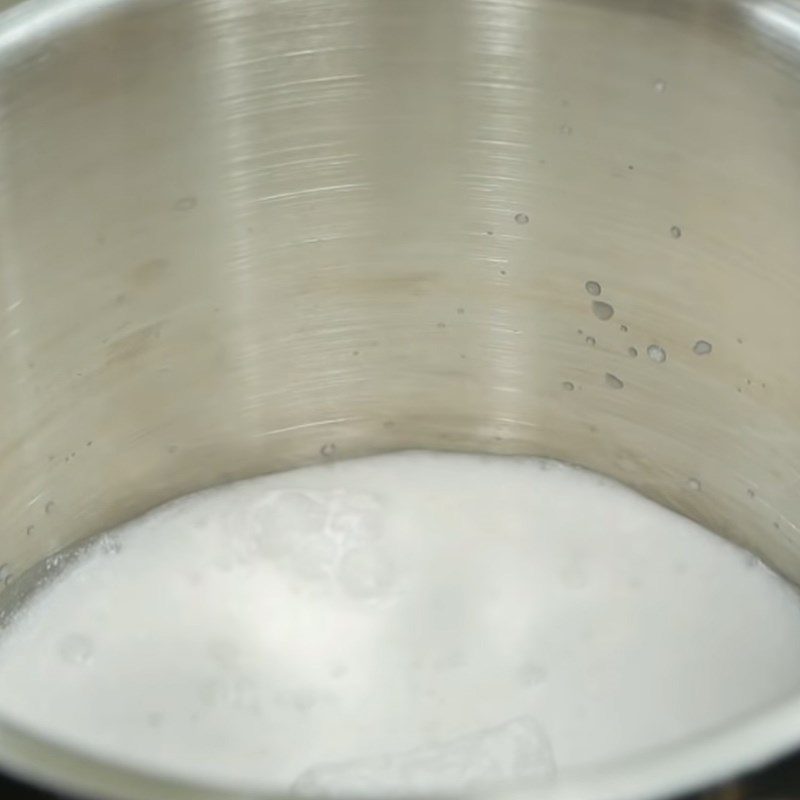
(633, 352)
(675, 232)
(593, 287)
(568, 386)
(657, 354)
(602, 310)
(521, 218)
(591, 341)
(702, 347)
(659, 86)
(613, 381)
(694, 484)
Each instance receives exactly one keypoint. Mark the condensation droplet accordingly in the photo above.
(659, 86)
(50, 506)
(328, 450)
(623, 328)
(657, 354)
(694, 484)
(702, 347)
(565, 130)
(593, 287)
(591, 341)
(633, 352)
(613, 381)
(568, 386)
(521, 218)
(602, 310)
(675, 232)
(75, 648)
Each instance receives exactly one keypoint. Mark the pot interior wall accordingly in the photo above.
(240, 236)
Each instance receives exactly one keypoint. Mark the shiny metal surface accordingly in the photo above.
(242, 235)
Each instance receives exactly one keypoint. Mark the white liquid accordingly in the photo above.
(401, 623)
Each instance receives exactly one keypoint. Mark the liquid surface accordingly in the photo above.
(404, 623)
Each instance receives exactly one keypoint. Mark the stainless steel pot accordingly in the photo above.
(242, 235)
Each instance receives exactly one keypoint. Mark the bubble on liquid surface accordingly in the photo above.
(657, 354)
(568, 386)
(521, 218)
(515, 751)
(308, 532)
(328, 450)
(593, 287)
(284, 519)
(751, 560)
(109, 545)
(75, 648)
(532, 674)
(223, 652)
(365, 572)
(602, 310)
(234, 691)
(702, 347)
(613, 381)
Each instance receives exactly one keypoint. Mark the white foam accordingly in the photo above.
(408, 623)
